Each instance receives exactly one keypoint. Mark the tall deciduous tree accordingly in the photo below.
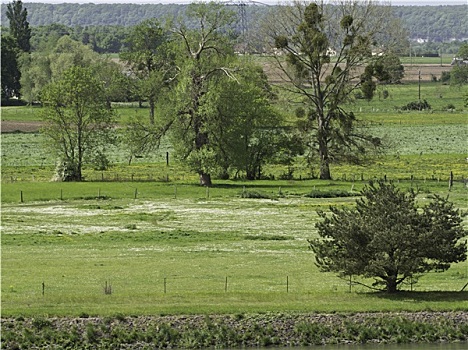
(326, 47)
(389, 238)
(148, 54)
(244, 130)
(203, 61)
(78, 121)
(19, 25)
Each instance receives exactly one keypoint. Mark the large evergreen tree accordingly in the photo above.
(19, 25)
(10, 70)
(389, 238)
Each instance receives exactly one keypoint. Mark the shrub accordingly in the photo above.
(329, 194)
(416, 106)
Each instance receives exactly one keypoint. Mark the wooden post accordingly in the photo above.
(226, 285)
(287, 284)
(136, 193)
(451, 181)
(43, 288)
(167, 158)
(21, 196)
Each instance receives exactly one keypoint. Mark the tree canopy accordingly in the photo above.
(433, 23)
(77, 119)
(388, 237)
(11, 74)
(19, 25)
(326, 48)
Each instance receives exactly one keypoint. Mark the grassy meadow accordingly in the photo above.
(163, 245)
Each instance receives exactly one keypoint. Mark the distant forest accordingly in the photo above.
(432, 23)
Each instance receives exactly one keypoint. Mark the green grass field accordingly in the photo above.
(168, 246)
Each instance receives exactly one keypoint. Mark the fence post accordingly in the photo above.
(226, 285)
(136, 193)
(451, 181)
(43, 288)
(21, 196)
(287, 284)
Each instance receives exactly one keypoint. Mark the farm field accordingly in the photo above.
(159, 244)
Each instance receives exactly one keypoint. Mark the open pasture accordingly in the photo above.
(223, 254)
(145, 239)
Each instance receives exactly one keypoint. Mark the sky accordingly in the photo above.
(393, 2)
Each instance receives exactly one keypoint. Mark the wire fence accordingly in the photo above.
(285, 284)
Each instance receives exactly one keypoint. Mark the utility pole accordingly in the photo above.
(419, 85)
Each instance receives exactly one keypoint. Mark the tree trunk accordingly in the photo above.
(205, 180)
(324, 160)
(391, 284)
(151, 114)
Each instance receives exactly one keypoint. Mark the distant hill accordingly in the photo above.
(432, 23)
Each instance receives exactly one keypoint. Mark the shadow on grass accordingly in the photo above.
(425, 296)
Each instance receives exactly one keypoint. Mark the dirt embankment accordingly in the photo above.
(228, 331)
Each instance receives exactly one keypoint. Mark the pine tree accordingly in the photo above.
(388, 238)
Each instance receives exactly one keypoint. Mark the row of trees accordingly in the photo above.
(216, 107)
(433, 23)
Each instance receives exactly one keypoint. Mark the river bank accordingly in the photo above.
(228, 331)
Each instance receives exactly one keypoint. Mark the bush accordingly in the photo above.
(416, 106)
(254, 195)
(445, 77)
(329, 194)
(450, 107)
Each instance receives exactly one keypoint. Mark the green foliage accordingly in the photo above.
(388, 69)
(388, 238)
(148, 54)
(416, 106)
(463, 52)
(19, 25)
(78, 120)
(10, 74)
(459, 75)
(322, 82)
(204, 60)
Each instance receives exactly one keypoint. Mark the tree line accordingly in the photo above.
(433, 23)
(217, 107)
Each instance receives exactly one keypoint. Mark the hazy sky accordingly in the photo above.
(393, 2)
